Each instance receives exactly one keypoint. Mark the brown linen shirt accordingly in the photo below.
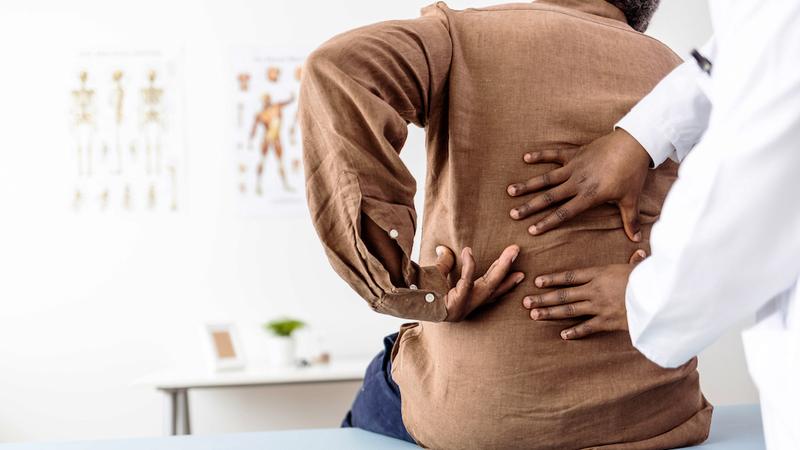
(488, 84)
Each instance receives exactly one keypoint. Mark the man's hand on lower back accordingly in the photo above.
(597, 293)
(467, 294)
(612, 168)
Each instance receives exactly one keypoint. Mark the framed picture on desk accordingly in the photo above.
(225, 346)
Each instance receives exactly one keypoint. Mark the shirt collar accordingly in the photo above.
(595, 7)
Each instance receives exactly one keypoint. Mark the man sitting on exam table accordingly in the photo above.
(489, 85)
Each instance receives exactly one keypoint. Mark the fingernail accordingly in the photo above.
(469, 250)
(520, 277)
(637, 237)
(440, 250)
(539, 282)
(532, 229)
(641, 253)
(512, 189)
(526, 302)
(535, 314)
(514, 213)
(565, 334)
(514, 258)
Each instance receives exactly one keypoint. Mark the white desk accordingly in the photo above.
(176, 385)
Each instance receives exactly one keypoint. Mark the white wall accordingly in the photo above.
(89, 304)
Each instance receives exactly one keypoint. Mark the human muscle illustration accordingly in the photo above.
(263, 93)
(270, 117)
(273, 74)
(298, 75)
(244, 83)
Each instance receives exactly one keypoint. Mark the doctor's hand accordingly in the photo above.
(612, 168)
(467, 294)
(597, 293)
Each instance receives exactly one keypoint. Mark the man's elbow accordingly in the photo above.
(329, 58)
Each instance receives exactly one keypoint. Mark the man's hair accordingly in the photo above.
(638, 12)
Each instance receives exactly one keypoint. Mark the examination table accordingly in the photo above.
(733, 428)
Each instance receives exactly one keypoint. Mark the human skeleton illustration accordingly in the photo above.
(127, 202)
(122, 119)
(84, 124)
(117, 99)
(153, 123)
(103, 199)
(270, 118)
(151, 196)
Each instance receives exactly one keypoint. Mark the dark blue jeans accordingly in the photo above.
(377, 404)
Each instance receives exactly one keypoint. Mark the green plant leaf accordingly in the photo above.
(284, 327)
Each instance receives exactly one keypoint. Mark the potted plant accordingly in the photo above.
(281, 345)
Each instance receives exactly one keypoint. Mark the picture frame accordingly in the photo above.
(225, 347)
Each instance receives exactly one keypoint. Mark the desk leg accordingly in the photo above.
(171, 410)
(183, 395)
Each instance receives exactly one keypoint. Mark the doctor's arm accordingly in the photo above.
(672, 118)
(727, 241)
(668, 122)
(728, 238)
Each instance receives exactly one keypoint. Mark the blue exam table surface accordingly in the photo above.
(733, 428)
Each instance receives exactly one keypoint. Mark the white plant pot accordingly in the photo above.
(280, 351)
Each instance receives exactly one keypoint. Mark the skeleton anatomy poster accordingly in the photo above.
(266, 144)
(125, 120)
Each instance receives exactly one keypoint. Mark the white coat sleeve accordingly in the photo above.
(672, 118)
(729, 235)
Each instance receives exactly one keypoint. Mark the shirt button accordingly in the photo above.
(413, 287)
(393, 233)
(430, 297)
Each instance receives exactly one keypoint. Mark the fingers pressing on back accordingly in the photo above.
(534, 184)
(568, 278)
(562, 214)
(445, 259)
(630, 220)
(562, 156)
(638, 256)
(542, 201)
(510, 282)
(499, 269)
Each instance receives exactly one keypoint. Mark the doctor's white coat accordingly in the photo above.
(728, 241)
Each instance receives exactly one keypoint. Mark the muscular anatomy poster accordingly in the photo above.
(266, 144)
(125, 120)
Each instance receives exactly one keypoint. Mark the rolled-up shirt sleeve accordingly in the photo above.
(672, 118)
(359, 93)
